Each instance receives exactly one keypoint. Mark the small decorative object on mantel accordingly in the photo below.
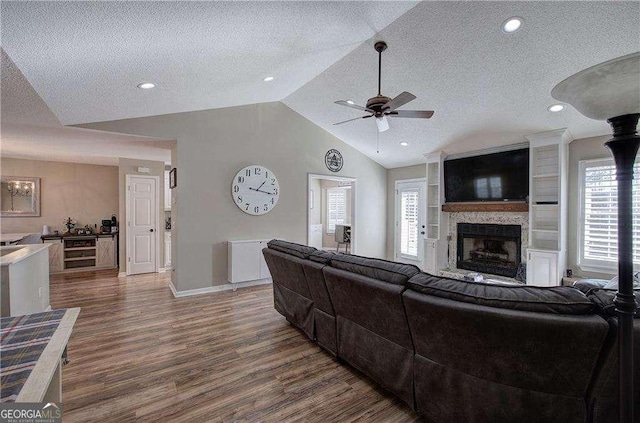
(173, 178)
(333, 160)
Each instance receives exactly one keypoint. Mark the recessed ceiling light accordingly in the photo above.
(404, 143)
(350, 102)
(555, 108)
(146, 85)
(512, 25)
(268, 78)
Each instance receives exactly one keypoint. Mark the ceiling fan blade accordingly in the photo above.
(345, 121)
(383, 124)
(423, 114)
(353, 106)
(400, 100)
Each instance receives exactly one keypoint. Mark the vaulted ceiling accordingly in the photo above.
(488, 88)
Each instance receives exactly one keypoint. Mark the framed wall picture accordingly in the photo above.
(20, 196)
(173, 178)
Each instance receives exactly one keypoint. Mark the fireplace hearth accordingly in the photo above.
(489, 248)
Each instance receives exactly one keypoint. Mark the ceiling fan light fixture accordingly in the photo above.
(511, 25)
(383, 124)
(404, 143)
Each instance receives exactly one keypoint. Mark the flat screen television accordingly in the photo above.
(500, 176)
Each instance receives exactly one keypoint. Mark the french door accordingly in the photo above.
(410, 221)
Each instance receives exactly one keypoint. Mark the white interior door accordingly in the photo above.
(142, 224)
(410, 221)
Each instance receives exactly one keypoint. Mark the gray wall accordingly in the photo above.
(581, 149)
(212, 145)
(130, 167)
(393, 175)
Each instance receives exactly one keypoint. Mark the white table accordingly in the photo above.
(11, 238)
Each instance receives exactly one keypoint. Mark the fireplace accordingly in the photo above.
(489, 248)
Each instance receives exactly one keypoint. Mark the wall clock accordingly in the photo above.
(333, 160)
(255, 190)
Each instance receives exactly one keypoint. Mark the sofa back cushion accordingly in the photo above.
(382, 270)
(483, 363)
(298, 250)
(321, 256)
(317, 285)
(555, 300)
(371, 303)
(286, 270)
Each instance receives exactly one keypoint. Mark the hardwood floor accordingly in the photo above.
(138, 353)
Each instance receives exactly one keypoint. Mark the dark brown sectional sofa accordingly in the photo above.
(457, 351)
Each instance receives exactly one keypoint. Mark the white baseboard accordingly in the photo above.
(217, 288)
(122, 274)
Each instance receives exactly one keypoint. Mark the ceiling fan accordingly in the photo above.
(381, 106)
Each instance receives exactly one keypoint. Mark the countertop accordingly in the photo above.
(60, 236)
(20, 252)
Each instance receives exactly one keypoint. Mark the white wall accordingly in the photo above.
(212, 145)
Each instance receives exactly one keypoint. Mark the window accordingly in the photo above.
(598, 230)
(336, 208)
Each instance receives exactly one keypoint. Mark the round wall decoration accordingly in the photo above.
(255, 190)
(333, 160)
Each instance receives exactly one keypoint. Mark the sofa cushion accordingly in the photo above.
(586, 285)
(556, 300)
(603, 299)
(321, 256)
(383, 270)
(298, 250)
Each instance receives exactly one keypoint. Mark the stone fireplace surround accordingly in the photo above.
(497, 218)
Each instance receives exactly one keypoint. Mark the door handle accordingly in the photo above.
(422, 233)
(150, 230)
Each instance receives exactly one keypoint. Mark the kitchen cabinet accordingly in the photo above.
(106, 252)
(81, 252)
(167, 250)
(56, 254)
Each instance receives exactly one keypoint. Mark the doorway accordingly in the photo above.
(410, 203)
(141, 204)
(331, 219)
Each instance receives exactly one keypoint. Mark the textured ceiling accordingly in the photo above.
(31, 131)
(487, 88)
(86, 58)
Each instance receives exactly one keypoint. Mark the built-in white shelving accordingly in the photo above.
(548, 162)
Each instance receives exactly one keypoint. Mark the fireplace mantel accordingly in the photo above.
(503, 207)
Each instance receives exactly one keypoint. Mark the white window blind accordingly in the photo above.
(409, 223)
(336, 208)
(598, 243)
